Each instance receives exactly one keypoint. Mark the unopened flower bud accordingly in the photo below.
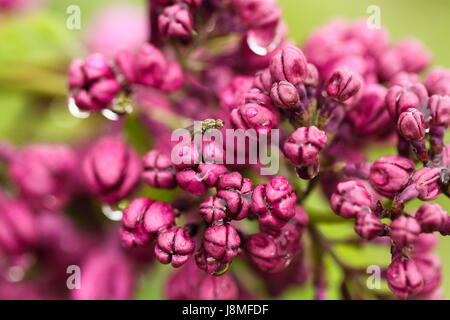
(254, 116)
(150, 66)
(431, 217)
(368, 226)
(175, 21)
(222, 242)
(174, 246)
(303, 146)
(399, 99)
(236, 191)
(284, 94)
(289, 64)
(411, 125)
(266, 253)
(217, 288)
(158, 170)
(439, 107)
(350, 199)
(426, 181)
(343, 84)
(404, 231)
(429, 266)
(263, 81)
(403, 277)
(390, 174)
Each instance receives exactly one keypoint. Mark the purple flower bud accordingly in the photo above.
(343, 84)
(403, 277)
(390, 174)
(289, 64)
(263, 81)
(256, 14)
(414, 58)
(217, 288)
(303, 146)
(95, 67)
(197, 181)
(151, 66)
(125, 61)
(266, 253)
(158, 216)
(209, 264)
(174, 246)
(173, 78)
(350, 199)
(236, 192)
(106, 275)
(312, 78)
(111, 169)
(18, 227)
(404, 79)
(175, 21)
(233, 95)
(158, 170)
(411, 125)
(213, 210)
(370, 116)
(438, 82)
(439, 107)
(425, 243)
(360, 170)
(44, 174)
(274, 202)
(284, 94)
(368, 226)
(404, 231)
(431, 217)
(399, 99)
(429, 266)
(426, 181)
(257, 96)
(222, 242)
(254, 116)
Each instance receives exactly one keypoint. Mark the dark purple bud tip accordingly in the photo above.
(158, 170)
(403, 277)
(350, 199)
(368, 226)
(174, 246)
(176, 21)
(343, 84)
(404, 231)
(390, 174)
(289, 64)
(411, 125)
(431, 217)
(284, 94)
(274, 202)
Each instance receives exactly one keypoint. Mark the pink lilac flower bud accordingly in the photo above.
(350, 199)
(284, 94)
(429, 266)
(176, 21)
(369, 116)
(43, 174)
(266, 253)
(256, 14)
(343, 84)
(274, 202)
(257, 96)
(236, 192)
(404, 79)
(217, 288)
(404, 231)
(125, 62)
(198, 180)
(414, 58)
(158, 170)
(411, 125)
(426, 182)
(183, 283)
(111, 169)
(390, 174)
(289, 64)
(222, 242)
(173, 77)
(150, 65)
(233, 95)
(209, 264)
(213, 210)
(312, 77)
(93, 83)
(425, 242)
(400, 99)
(431, 217)
(18, 226)
(368, 226)
(439, 107)
(254, 116)
(263, 81)
(106, 275)
(437, 82)
(403, 277)
(174, 246)
(360, 170)
(303, 146)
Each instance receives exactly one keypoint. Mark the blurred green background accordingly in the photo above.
(36, 47)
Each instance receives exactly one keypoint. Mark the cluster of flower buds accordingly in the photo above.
(97, 83)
